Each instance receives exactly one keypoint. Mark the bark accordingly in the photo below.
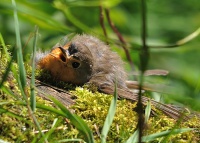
(65, 97)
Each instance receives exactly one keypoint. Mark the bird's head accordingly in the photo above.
(71, 63)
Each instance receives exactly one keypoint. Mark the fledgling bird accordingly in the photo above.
(86, 59)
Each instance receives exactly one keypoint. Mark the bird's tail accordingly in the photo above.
(169, 110)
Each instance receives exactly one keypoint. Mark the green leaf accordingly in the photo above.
(147, 111)
(5, 51)
(5, 75)
(133, 138)
(9, 113)
(32, 85)
(46, 135)
(35, 13)
(22, 72)
(7, 91)
(152, 137)
(164, 133)
(50, 109)
(76, 121)
(72, 140)
(110, 117)
(63, 7)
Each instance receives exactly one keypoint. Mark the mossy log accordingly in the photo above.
(64, 96)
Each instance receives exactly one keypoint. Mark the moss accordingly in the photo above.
(21, 128)
(91, 106)
(16, 124)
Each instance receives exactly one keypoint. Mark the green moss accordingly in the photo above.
(91, 106)
(16, 124)
(21, 128)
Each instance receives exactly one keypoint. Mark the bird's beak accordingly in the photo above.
(64, 52)
(60, 53)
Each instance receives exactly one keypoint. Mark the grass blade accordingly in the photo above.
(133, 138)
(5, 75)
(9, 113)
(147, 112)
(50, 109)
(180, 42)
(35, 13)
(64, 8)
(109, 118)
(22, 72)
(164, 133)
(76, 121)
(5, 51)
(54, 125)
(72, 140)
(32, 85)
(44, 107)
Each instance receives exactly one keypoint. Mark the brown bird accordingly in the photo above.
(86, 59)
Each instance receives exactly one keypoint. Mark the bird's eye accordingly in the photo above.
(76, 65)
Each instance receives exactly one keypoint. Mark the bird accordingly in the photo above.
(85, 59)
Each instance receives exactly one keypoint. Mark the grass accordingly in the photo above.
(93, 109)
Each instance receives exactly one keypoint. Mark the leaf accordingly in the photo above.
(147, 111)
(9, 113)
(109, 118)
(5, 75)
(32, 85)
(2, 43)
(22, 72)
(35, 13)
(76, 121)
(133, 138)
(164, 133)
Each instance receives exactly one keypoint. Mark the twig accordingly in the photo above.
(144, 57)
(101, 19)
(120, 38)
(181, 42)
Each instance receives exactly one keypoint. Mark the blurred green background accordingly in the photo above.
(167, 21)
